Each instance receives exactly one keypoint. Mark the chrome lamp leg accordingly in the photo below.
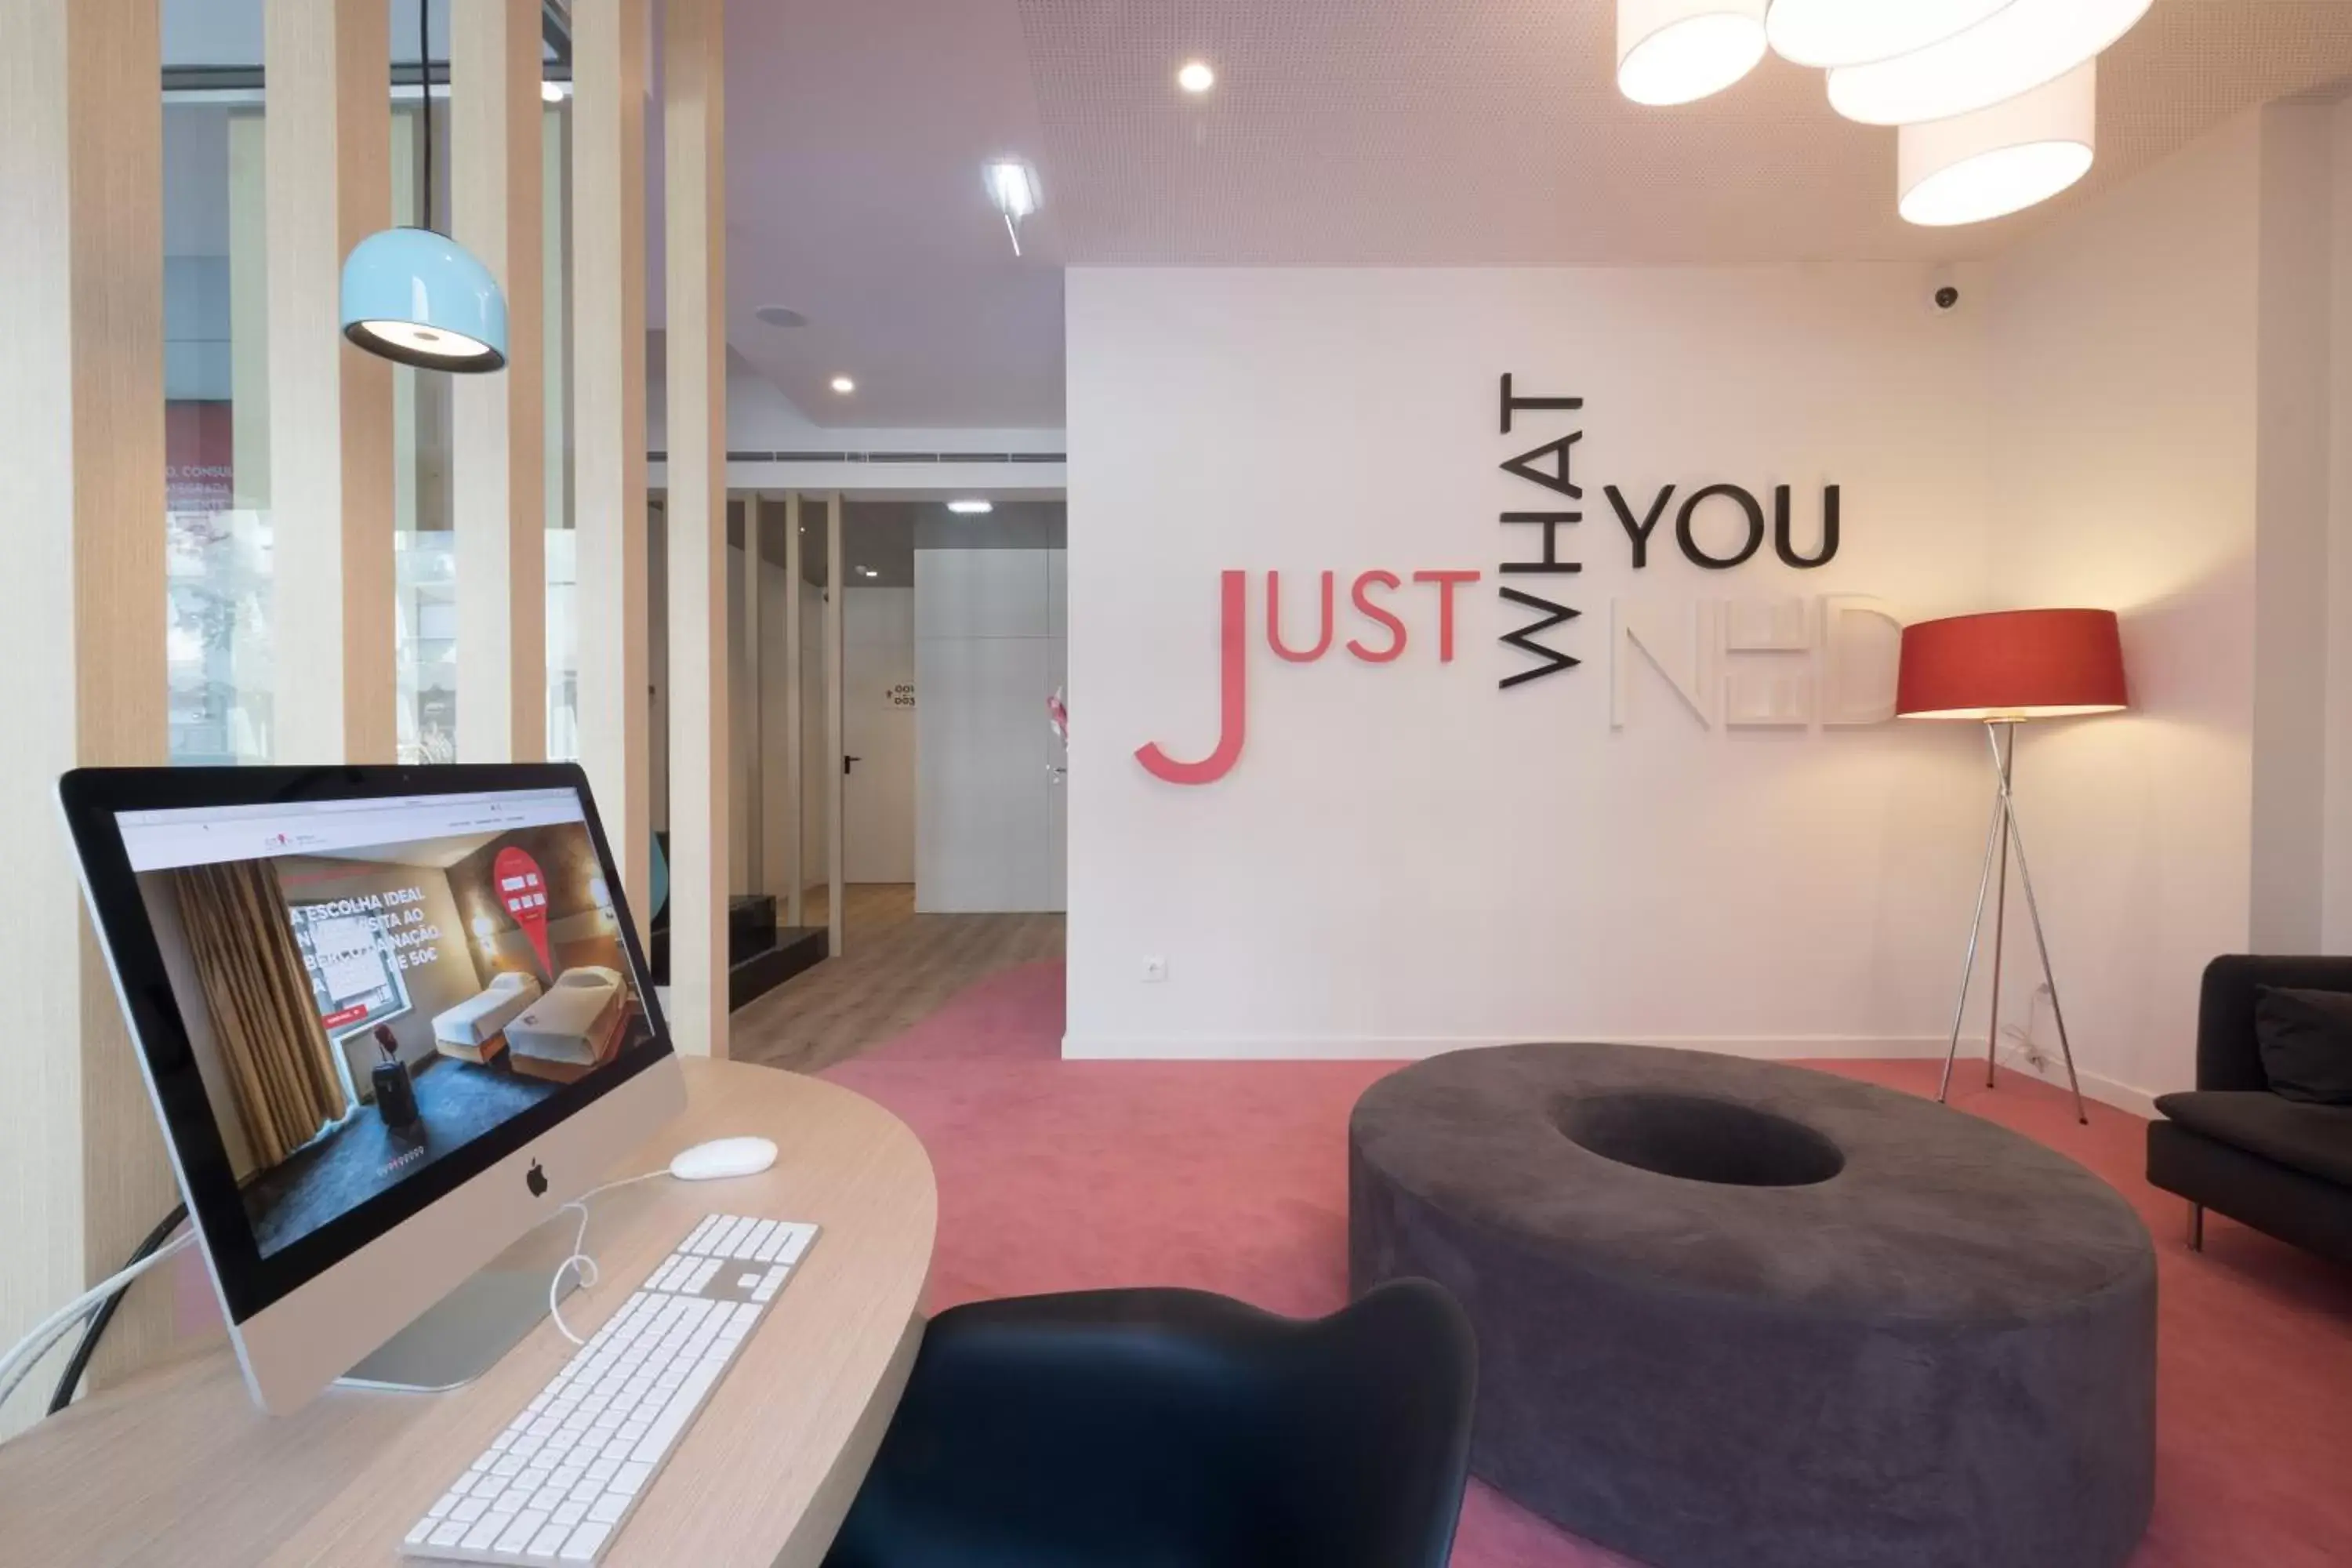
(2003, 839)
(2033, 908)
(1969, 964)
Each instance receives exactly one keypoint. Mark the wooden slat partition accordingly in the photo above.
(694, 187)
(499, 428)
(608, 332)
(328, 177)
(82, 1174)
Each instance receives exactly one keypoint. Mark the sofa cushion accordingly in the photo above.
(2313, 1139)
(2306, 1039)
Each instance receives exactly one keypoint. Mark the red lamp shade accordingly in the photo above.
(2012, 665)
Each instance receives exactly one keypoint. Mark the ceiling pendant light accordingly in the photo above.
(1676, 51)
(1854, 32)
(2000, 160)
(2019, 48)
(416, 296)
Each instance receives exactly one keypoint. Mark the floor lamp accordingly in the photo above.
(2001, 670)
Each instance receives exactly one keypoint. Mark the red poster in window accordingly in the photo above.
(523, 891)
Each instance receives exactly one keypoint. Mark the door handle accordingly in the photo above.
(849, 762)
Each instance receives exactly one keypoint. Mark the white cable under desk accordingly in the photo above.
(176, 1466)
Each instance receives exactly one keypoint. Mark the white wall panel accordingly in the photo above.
(1407, 857)
(982, 593)
(989, 827)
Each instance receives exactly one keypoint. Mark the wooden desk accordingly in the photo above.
(177, 1466)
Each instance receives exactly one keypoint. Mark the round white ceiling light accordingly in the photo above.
(1195, 77)
(2000, 160)
(2019, 48)
(1678, 51)
(1856, 32)
(843, 385)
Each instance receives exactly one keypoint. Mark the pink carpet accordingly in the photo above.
(1231, 1176)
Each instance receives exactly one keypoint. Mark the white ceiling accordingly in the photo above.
(1420, 132)
(856, 136)
(1402, 133)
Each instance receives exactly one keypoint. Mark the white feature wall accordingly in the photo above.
(2163, 425)
(990, 649)
(1407, 858)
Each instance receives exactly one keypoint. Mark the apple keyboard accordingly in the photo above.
(555, 1488)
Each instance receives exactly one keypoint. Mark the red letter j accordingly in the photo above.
(1233, 686)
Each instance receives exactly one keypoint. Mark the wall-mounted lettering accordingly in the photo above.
(1730, 662)
(1232, 657)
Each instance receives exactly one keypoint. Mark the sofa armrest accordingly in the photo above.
(2227, 1056)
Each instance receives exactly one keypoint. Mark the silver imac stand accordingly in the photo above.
(465, 1333)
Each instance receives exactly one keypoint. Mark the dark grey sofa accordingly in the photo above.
(2230, 1145)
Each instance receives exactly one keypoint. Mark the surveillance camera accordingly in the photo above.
(1944, 289)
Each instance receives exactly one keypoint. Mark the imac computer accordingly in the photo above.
(392, 1018)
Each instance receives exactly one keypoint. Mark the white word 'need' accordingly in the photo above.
(1757, 663)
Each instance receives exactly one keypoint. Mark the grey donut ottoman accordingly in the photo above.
(1732, 1313)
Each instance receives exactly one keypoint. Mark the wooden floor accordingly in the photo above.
(896, 967)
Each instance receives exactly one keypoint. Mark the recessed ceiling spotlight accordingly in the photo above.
(843, 385)
(1195, 77)
(554, 91)
(974, 508)
(868, 571)
(781, 316)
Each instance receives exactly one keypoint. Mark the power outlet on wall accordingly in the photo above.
(1155, 969)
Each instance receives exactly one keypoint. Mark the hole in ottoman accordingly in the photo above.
(1700, 1140)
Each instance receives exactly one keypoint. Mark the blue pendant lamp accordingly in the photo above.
(416, 296)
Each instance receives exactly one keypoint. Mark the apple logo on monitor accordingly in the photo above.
(536, 1180)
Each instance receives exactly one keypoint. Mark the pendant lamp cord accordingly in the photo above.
(425, 87)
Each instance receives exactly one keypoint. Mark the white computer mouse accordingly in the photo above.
(723, 1157)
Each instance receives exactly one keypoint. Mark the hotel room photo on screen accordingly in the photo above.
(356, 1015)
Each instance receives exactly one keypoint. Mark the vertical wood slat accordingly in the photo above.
(755, 773)
(82, 1173)
(832, 722)
(248, 313)
(328, 178)
(795, 743)
(608, 401)
(695, 262)
(499, 425)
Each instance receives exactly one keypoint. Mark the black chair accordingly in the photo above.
(1175, 1429)
(2279, 1165)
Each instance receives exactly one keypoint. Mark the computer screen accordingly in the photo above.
(370, 985)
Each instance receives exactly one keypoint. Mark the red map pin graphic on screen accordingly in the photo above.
(523, 891)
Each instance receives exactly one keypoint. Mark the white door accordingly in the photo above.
(877, 734)
(1058, 647)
